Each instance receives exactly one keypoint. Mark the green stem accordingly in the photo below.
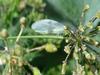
(38, 36)
(19, 35)
(36, 49)
(6, 44)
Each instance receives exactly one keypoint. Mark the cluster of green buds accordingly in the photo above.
(14, 55)
(36, 7)
(89, 30)
(37, 4)
(79, 41)
(83, 34)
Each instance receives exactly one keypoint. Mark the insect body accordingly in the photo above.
(48, 26)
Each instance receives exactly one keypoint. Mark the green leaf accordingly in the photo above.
(71, 10)
(68, 9)
(94, 8)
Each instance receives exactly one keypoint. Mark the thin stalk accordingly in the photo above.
(19, 35)
(63, 71)
(36, 49)
(37, 37)
(30, 66)
(6, 44)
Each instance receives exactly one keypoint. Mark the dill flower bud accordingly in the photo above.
(86, 7)
(23, 21)
(50, 48)
(67, 49)
(81, 28)
(94, 42)
(4, 33)
(98, 15)
(93, 57)
(98, 28)
(87, 55)
(13, 61)
(84, 47)
(90, 25)
(87, 38)
(22, 5)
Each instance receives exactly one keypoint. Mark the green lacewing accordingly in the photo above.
(48, 26)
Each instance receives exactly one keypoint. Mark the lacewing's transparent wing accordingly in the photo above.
(47, 26)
